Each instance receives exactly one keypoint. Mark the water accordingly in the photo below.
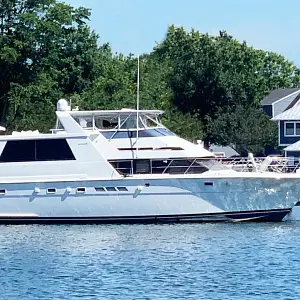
(183, 261)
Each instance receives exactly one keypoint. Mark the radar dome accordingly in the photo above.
(62, 105)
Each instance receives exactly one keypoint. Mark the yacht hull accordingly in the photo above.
(132, 200)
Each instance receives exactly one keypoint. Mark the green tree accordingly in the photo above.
(246, 128)
(211, 72)
(43, 43)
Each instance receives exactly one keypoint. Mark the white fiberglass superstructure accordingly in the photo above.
(124, 166)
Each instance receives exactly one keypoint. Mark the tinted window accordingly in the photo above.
(53, 150)
(36, 150)
(15, 151)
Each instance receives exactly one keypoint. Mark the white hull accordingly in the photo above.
(169, 199)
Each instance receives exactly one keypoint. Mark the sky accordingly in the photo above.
(135, 26)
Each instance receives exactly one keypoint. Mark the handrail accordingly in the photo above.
(263, 164)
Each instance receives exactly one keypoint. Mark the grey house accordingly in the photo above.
(289, 129)
(279, 100)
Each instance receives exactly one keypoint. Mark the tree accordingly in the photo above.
(116, 88)
(245, 128)
(42, 41)
(212, 72)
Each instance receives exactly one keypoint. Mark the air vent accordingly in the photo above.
(51, 191)
(81, 190)
(122, 189)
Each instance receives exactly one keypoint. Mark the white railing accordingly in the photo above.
(261, 164)
(190, 166)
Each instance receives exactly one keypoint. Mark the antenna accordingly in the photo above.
(137, 104)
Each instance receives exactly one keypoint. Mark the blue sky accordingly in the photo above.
(136, 25)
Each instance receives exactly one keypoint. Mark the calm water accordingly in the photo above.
(198, 261)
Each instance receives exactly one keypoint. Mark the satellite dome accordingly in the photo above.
(62, 105)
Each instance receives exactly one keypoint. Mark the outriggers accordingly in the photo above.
(87, 170)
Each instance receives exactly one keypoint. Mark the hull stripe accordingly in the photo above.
(251, 216)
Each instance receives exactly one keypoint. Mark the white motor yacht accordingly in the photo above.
(124, 166)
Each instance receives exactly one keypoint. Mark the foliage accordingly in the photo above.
(43, 43)
(247, 128)
(208, 73)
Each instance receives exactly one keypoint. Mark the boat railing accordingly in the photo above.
(261, 164)
(192, 166)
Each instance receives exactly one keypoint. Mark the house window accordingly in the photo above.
(292, 128)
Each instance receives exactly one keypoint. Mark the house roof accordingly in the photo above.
(293, 147)
(277, 95)
(292, 114)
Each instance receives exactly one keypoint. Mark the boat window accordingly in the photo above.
(150, 122)
(2, 191)
(161, 166)
(84, 122)
(106, 123)
(36, 150)
(123, 167)
(141, 166)
(130, 122)
(111, 124)
(53, 150)
(18, 151)
(110, 189)
(99, 189)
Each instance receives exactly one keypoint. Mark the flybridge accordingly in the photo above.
(117, 119)
(121, 134)
(108, 120)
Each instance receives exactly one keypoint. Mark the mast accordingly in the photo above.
(137, 105)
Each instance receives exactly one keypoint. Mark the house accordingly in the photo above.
(289, 128)
(279, 100)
